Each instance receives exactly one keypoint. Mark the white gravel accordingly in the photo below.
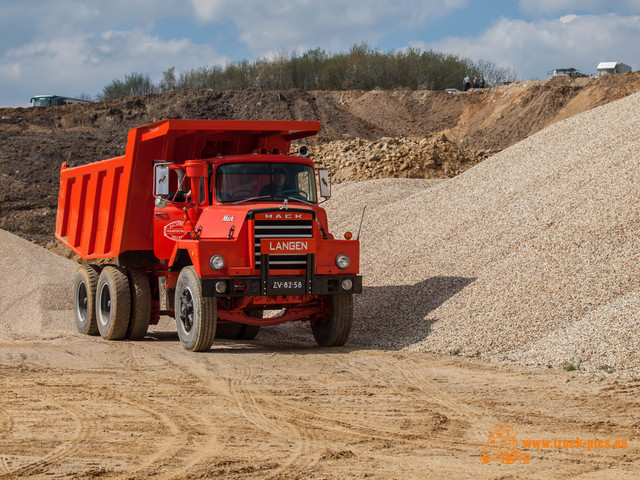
(531, 256)
(35, 291)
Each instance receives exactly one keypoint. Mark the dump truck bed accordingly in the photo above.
(106, 208)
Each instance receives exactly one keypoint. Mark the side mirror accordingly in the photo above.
(325, 183)
(161, 184)
(161, 180)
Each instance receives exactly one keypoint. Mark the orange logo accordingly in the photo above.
(502, 446)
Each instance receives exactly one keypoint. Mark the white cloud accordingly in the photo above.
(554, 7)
(533, 48)
(332, 24)
(80, 46)
(568, 18)
(85, 63)
(39, 20)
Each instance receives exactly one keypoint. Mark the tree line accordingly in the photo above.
(361, 68)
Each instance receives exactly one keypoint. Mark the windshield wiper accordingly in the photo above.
(294, 198)
(252, 198)
(274, 197)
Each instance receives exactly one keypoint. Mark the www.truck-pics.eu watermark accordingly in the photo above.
(502, 445)
(576, 443)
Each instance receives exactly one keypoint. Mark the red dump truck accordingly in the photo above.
(214, 223)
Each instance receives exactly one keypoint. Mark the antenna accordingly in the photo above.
(361, 219)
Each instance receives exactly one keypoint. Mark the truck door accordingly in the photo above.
(168, 217)
(168, 228)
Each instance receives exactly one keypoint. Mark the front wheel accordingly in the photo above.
(334, 330)
(196, 316)
(228, 331)
(248, 332)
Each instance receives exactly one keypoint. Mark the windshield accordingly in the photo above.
(243, 181)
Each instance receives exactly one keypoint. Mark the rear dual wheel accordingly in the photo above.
(114, 302)
(84, 299)
(140, 304)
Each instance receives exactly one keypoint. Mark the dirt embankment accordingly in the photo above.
(35, 142)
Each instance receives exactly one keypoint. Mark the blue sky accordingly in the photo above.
(71, 47)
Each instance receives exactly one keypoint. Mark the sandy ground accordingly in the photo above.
(81, 407)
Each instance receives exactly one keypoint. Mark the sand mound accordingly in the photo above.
(35, 292)
(531, 256)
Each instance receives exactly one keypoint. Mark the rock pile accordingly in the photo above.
(358, 159)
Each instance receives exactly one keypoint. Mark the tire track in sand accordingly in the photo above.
(231, 384)
(183, 436)
(6, 425)
(390, 408)
(66, 449)
(306, 454)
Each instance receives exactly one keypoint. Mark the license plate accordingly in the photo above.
(287, 286)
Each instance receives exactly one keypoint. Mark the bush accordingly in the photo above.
(361, 68)
(133, 84)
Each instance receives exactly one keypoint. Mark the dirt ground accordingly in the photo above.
(81, 407)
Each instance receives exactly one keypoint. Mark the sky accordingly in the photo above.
(75, 47)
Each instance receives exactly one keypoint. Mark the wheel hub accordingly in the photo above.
(105, 305)
(83, 301)
(186, 310)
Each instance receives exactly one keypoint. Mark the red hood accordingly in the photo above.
(216, 221)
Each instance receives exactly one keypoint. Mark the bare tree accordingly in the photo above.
(493, 74)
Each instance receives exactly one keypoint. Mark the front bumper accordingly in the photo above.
(276, 285)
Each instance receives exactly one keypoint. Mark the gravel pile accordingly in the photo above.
(35, 291)
(531, 256)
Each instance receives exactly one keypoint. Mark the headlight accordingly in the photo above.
(216, 262)
(342, 261)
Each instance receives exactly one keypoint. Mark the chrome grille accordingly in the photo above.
(282, 229)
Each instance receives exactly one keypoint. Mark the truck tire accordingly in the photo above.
(248, 332)
(228, 331)
(113, 303)
(140, 304)
(195, 315)
(84, 299)
(237, 331)
(334, 330)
